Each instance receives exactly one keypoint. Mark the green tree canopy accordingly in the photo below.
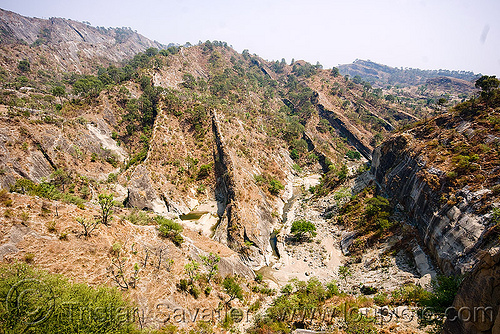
(232, 288)
(24, 66)
(106, 203)
(88, 86)
(487, 83)
(34, 301)
(303, 229)
(58, 91)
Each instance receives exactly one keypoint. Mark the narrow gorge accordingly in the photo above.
(204, 190)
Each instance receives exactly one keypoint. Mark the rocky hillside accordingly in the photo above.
(445, 174)
(420, 90)
(479, 289)
(61, 45)
(381, 75)
(180, 127)
(206, 158)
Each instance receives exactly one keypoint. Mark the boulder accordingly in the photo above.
(141, 194)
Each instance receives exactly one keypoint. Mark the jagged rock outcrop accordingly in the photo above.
(228, 265)
(34, 150)
(230, 224)
(141, 194)
(245, 210)
(477, 304)
(322, 158)
(69, 42)
(103, 133)
(344, 130)
(452, 232)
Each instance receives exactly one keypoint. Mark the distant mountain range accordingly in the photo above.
(381, 75)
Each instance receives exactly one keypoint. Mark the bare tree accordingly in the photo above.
(118, 268)
(119, 271)
(145, 258)
(163, 259)
(88, 225)
(106, 203)
(211, 265)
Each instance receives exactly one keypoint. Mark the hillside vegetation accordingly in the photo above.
(141, 176)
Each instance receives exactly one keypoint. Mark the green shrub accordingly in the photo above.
(444, 290)
(45, 190)
(410, 294)
(332, 289)
(201, 188)
(177, 239)
(138, 217)
(381, 299)
(170, 229)
(24, 66)
(87, 86)
(259, 278)
(275, 186)
(296, 296)
(465, 163)
(139, 157)
(496, 189)
(354, 155)
(204, 171)
(112, 178)
(344, 272)
(106, 203)
(232, 288)
(312, 157)
(368, 290)
(303, 229)
(168, 328)
(495, 215)
(342, 174)
(255, 306)
(195, 292)
(377, 213)
(5, 198)
(51, 226)
(183, 285)
(47, 310)
(112, 160)
(360, 325)
(29, 257)
(259, 179)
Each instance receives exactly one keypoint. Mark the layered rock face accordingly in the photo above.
(71, 44)
(477, 304)
(452, 232)
(454, 218)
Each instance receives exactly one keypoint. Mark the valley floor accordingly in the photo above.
(321, 257)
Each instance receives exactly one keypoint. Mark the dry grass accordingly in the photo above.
(88, 260)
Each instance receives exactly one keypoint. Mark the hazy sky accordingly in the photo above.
(428, 34)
